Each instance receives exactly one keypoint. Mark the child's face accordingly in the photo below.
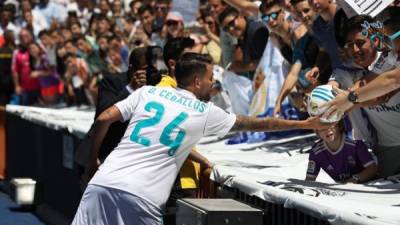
(330, 134)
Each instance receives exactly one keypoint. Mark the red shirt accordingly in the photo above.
(21, 66)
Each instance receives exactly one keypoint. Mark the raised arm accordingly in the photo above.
(288, 85)
(97, 133)
(246, 123)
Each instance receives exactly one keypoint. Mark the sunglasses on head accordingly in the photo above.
(230, 25)
(267, 17)
(384, 41)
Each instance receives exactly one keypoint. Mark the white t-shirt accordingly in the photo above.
(165, 124)
(346, 77)
(386, 117)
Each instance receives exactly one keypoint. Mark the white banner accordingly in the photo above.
(275, 170)
(76, 120)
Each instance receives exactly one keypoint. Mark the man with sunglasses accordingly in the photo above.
(174, 25)
(162, 8)
(382, 115)
(292, 42)
(252, 39)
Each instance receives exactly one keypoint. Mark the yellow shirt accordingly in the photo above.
(167, 81)
(190, 170)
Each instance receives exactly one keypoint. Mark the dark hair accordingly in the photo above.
(133, 2)
(323, 62)
(9, 8)
(137, 58)
(354, 24)
(114, 37)
(392, 18)
(101, 17)
(294, 2)
(311, 51)
(174, 48)
(69, 55)
(339, 22)
(163, 1)
(266, 4)
(43, 32)
(142, 56)
(78, 37)
(144, 8)
(98, 37)
(31, 59)
(189, 65)
(229, 11)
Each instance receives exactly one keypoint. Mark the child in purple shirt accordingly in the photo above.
(343, 159)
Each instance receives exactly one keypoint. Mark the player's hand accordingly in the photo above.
(315, 123)
(138, 79)
(338, 105)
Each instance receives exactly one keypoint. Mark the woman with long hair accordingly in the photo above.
(47, 74)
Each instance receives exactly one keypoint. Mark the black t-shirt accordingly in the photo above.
(6, 81)
(254, 41)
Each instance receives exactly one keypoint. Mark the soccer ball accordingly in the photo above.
(320, 95)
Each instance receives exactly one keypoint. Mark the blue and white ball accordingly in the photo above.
(320, 95)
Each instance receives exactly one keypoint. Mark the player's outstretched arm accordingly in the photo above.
(246, 123)
(98, 131)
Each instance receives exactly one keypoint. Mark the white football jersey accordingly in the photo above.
(165, 124)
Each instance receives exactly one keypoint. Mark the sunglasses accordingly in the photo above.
(230, 25)
(267, 17)
(210, 22)
(161, 8)
(172, 23)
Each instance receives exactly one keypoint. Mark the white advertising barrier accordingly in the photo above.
(76, 121)
(275, 170)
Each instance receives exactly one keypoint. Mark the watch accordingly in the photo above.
(352, 97)
(356, 178)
